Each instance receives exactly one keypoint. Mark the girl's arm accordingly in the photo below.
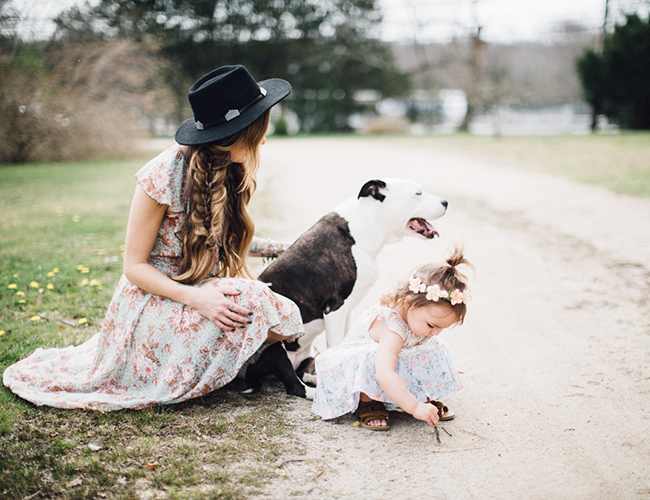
(267, 248)
(390, 344)
(145, 218)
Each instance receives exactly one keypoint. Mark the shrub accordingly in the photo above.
(63, 100)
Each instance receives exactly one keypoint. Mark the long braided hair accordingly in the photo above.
(218, 228)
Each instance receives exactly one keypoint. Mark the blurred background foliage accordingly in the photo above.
(616, 80)
(118, 70)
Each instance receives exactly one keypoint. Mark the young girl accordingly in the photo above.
(392, 356)
(187, 313)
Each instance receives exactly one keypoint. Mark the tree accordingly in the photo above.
(324, 47)
(616, 82)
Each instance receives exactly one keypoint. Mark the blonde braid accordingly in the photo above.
(218, 228)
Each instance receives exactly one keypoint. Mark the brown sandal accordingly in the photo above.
(443, 411)
(372, 410)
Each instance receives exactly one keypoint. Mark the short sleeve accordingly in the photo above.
(393, 321)
(162, 178)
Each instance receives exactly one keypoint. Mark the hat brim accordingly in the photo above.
(276, 90)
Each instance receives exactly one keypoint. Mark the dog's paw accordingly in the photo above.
(310, 392)
(309, 378)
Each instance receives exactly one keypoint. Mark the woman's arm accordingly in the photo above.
(145, 218)
(267, 248)
(390, 344)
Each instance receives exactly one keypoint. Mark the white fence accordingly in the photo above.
(556, 120)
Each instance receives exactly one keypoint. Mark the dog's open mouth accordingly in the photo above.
(421, 226)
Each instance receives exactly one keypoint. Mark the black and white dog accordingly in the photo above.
(331, 267)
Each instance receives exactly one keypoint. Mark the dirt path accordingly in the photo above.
(555, 349)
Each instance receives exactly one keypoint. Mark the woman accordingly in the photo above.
(187, 313)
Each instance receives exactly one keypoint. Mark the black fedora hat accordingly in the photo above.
(226, 101)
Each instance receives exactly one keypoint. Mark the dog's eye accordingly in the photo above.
(418, 193)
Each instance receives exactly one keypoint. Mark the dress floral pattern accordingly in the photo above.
(152, 350)
(348, 369)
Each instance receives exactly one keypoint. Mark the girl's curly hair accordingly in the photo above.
(445, 275)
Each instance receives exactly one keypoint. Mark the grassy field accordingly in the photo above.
(61, 238)
(620, 163)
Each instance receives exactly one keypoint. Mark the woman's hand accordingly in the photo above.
(427, 413)
(216, 305)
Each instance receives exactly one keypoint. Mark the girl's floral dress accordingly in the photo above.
(348, 369)
(152, 350)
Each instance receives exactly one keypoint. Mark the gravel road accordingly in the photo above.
(555, 348)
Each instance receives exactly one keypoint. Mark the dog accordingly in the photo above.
(332, 266)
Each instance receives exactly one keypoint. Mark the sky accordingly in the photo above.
(501, 20)
(504, 21)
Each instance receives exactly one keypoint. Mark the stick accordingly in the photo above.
(446, 431)
(70, 323)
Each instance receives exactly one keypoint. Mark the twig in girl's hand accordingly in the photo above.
(437, 435)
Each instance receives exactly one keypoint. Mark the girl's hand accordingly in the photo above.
(215, 304)
(427, 413)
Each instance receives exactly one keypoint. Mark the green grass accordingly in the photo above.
(61, 239)
(620, 163)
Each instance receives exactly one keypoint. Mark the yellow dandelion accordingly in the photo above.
(75, 218)
(55, 270)
(84, 282)
(12, 286)
(21, 301)
(35, 318)
(2, 332)
(33, 284)
(95, 283)
(16, 275)
(101, 251)
(50, 274)
(85, 270)
(82, 321)
(121, 248)
(50, 286)
(20, 293)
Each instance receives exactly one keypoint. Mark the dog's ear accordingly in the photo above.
(371, 188)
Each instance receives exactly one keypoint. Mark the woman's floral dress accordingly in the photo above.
(152, 350)
(348, 369)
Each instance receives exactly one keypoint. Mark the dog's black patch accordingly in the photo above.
(371, 188)
(274, 361)
(318, 271)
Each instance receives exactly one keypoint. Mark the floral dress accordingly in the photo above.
(345, 371)
(152, 350)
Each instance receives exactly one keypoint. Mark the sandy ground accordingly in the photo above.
(555, 349)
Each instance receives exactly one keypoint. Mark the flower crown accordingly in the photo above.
(435, 293)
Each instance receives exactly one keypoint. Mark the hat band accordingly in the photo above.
(231, 114)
